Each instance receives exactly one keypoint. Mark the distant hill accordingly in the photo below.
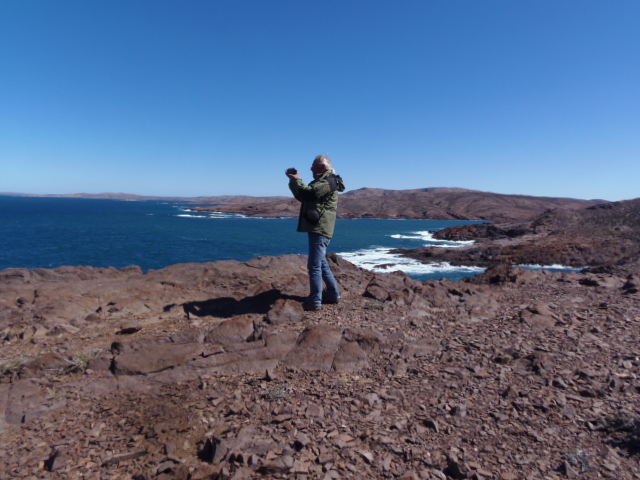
(450, 203)
(220, 199)
(424, 203)
(106, 195)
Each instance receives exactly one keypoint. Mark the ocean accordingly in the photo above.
(45, 232)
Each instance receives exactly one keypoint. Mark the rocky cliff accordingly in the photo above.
(214, 371)
(602, 235)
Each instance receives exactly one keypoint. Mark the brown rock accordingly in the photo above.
(212, 450)
(155, 358)
(539, 317)
(122, 457)
(285, 311)
(235, 330)
(315, 349)
(56, 460)
(49, 362)
(532, 396)
(349, 357)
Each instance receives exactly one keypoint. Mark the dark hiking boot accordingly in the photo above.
(311, 307)
(331, 300)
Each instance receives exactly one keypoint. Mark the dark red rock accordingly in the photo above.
(501, 399)
(315, 349)
(285, 311)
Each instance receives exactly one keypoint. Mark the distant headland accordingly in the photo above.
(435, 203)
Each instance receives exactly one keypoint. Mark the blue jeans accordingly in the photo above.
(319, 270)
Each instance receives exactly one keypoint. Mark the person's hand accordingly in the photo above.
(292, 176)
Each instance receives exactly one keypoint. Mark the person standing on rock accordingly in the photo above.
(318, 207)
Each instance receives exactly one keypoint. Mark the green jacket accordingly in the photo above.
(321, 196)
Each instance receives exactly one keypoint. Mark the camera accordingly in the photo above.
(291, 171)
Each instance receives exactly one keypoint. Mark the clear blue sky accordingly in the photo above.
(205, 97)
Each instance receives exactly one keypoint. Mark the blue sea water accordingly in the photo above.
(38, 232)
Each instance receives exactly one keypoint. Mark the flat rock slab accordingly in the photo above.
(155, 358)
(325, 348)
(25, 400)
(235, 330)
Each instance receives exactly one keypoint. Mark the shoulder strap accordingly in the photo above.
(333, 185)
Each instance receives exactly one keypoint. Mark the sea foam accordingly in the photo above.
(427, 236)
(189, 213)
(554, 268)
(382, 260)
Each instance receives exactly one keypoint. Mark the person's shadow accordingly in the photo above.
(226, 307)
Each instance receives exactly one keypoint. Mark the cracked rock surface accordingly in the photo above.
(214, 371)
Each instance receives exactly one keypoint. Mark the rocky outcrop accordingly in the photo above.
(598, 236)
(214, 371)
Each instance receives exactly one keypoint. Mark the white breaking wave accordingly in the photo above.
(212, 215)
(382, 260)
(555, 266)
(427, 237)
(191, 213)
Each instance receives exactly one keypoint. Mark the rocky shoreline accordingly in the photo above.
(214, 371)
(601, 236)
(207, 371)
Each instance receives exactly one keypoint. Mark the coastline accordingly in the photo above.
(222, 354)
(426, 203)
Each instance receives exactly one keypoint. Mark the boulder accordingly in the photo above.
(236, 330)
(315, 348)
(285, 311)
